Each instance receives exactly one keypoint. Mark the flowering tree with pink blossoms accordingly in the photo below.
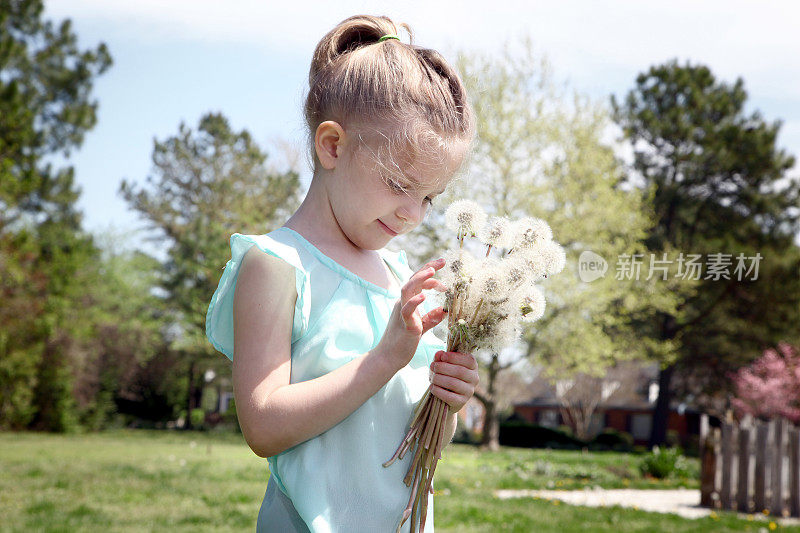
(770, 386)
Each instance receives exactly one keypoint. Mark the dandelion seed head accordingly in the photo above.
(534, 263)
(553, 257)
(497, 231)
(465, 217)
(516, 270)
(458, 265)
(489, 281)
(529, 231)
(532, 304)
(500, 332)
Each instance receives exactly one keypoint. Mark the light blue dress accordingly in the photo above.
(335, 482)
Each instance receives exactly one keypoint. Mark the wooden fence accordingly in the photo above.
(751, 467)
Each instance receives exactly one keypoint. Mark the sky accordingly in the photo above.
(175, 61)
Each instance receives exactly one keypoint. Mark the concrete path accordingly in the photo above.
(683, 502)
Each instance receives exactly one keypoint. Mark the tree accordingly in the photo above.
(580, 397)
(539, 154)
(127, 321)
(207, 186)
(714, 176)
(45, 108)
(770, 385)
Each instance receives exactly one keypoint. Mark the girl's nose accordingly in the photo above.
(411, 213)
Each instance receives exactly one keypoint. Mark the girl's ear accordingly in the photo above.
(329, 142)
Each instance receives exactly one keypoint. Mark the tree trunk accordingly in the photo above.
(191, 394)
(491, 427)
(658, 431)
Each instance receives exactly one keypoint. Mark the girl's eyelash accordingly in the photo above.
(399, 188)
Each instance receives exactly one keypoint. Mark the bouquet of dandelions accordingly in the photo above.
(487, 298)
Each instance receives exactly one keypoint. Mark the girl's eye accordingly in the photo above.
(396, 186)
(400, 189)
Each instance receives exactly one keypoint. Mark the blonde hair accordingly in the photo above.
(395, 97)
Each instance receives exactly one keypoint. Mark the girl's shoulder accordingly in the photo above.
(277, 243)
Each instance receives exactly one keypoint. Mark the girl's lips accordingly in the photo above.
(388, 230)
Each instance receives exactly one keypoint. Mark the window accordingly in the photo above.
(640, 425)
(548, 418)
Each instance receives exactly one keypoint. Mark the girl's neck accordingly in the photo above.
(315, 221)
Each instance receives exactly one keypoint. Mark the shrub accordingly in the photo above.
(611, 439)
(527, 435)
(198, 417)
(662, 463)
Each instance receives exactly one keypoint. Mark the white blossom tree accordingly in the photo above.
(541, 154)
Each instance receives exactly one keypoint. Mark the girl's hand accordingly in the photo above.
(454, 376)
(406, 326)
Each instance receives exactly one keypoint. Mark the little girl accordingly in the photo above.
(331, 350)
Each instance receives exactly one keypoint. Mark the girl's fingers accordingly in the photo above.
(436, 263)
(466, 360)
(432, 318)
(452, 384)
(410, 306)
(433, 283)
(414, 283)
(450, 398)
(456, 371)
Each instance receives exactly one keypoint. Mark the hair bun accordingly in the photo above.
(353, 33)
(392, 98)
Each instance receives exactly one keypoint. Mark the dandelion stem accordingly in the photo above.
(416, 494)
(475, 314)
(409, 507)
(440, 446)
(424, 511)
(426, 437)
(417, 455)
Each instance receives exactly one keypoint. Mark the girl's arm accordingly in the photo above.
(275, 415)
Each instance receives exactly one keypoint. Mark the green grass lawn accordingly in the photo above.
(142, 480)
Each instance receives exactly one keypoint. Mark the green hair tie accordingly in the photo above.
(388, 36)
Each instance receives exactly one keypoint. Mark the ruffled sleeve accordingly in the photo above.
(219, 318)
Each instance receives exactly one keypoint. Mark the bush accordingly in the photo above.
(566, 430)
(611, 439)
(662, 463)
(527, 435)
(198, 417)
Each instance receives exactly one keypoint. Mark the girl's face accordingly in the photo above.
(374, 204)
